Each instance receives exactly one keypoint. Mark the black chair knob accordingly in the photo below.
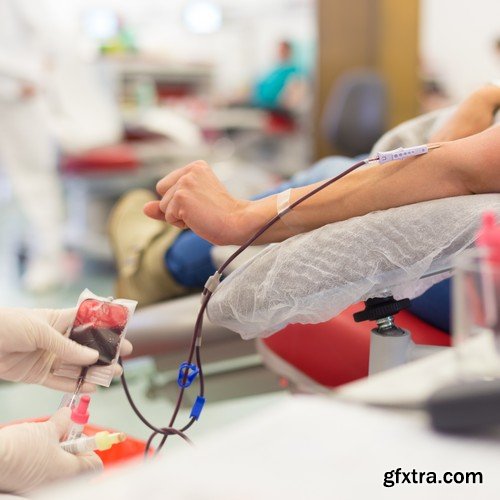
(379, 308)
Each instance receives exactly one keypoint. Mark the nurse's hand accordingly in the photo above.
(193, 197)
(31, 341)
(30, 455)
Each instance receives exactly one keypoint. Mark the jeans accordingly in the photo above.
(434, 306)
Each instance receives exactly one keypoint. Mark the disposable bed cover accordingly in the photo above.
(312, 277)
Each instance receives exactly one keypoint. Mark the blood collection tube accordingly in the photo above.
(79, 417)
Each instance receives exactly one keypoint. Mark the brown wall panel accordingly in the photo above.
(379, 34)
(397, 57)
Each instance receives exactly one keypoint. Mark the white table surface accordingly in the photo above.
(304, 448)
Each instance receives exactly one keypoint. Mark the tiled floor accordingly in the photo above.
(109, 406)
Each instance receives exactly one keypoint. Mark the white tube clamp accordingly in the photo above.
(402, 153)
(213, 282)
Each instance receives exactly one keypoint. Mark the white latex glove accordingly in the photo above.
(30, 455)
(32, 340)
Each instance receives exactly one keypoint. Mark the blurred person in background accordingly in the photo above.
(51, 99)
(282, 88)
(277, 88)
(27, 149)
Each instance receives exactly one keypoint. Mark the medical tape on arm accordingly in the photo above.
(289, 218)
(283, 202)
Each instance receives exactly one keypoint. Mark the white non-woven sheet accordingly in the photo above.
(314, 276)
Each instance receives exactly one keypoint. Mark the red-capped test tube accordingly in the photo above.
(79, 417)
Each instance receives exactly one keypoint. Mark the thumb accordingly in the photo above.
(65, 349)
(59, 319)
(62, 421)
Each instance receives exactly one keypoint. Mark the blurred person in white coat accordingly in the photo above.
(27, 149)
(50, 97)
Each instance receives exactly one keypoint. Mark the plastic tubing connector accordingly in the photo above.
(104, 440)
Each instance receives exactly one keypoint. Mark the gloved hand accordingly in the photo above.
(30, 455)
(32, 340)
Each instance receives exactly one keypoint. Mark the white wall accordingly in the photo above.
(244, 47)
(457, 42)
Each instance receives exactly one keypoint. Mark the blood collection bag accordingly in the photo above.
(100, 324)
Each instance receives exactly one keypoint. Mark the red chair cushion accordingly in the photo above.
(337, 351)
(110, 158)
(280, 122)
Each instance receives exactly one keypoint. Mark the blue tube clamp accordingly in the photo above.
(197, 407)
(187, 373)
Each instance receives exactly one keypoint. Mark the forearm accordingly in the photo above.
(441, 173)
(488, 97)
(193, 197)
(473, 115)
